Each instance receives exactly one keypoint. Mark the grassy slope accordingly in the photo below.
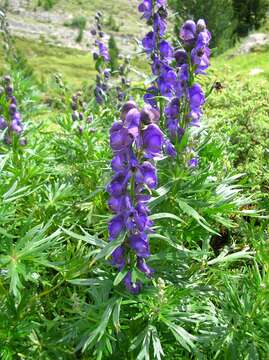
(124, 12)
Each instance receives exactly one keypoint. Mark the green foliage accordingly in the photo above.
(59, 296)
(78, 22)
(112, 24)
(113, 52)
(251, 14)
(46, 4)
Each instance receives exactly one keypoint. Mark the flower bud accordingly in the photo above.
(23, 142)
(3, 123)
(126, 108)
(201, 25)
(95, 56)
(89, 119)
(93, 32)
(75, 116)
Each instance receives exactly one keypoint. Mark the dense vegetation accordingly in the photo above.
(60, 297)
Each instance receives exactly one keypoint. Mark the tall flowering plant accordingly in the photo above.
(175, 71)
(135, 141)
(101, 58)
(11, 125)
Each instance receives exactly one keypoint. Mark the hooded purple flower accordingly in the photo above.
(166, 51)
(139, 243)
(149, 97)
(120, 137)
(118, 257)
(150, 115)
(167, 83)
(197, 100)
(188, 32)
(115, 226)
(146, 8)
(193, 163)
(181, 57)
(149, 42)
(103, 51)
(172, 109)
(170, 149)
(153, 140)
(132, 121)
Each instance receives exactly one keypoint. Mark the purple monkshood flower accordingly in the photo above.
(149, 42)
(103, 51)
(135, 140)
(170, 149)
(166, 51)
(188, 32)
(12, 124)
(146, 8)
(197, 100)
(193, 163)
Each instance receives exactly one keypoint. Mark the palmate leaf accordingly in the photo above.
(96, 335)
(160, 216)
(90, 239)
(30, 249)
(110, 247)
(195, 215)
(185, 339)
(147, 337)
(224, 257)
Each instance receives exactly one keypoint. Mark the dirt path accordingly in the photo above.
(49, 26)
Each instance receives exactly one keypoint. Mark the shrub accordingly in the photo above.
(113, 52)
(78, 22)
(250, 14)
(219, 16)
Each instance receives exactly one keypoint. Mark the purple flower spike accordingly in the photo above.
(135, 141)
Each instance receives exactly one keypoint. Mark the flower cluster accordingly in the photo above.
(184, 108)
(10, 118)
(135, 141)
(175, 70)
(80, 118)
(101, 58)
